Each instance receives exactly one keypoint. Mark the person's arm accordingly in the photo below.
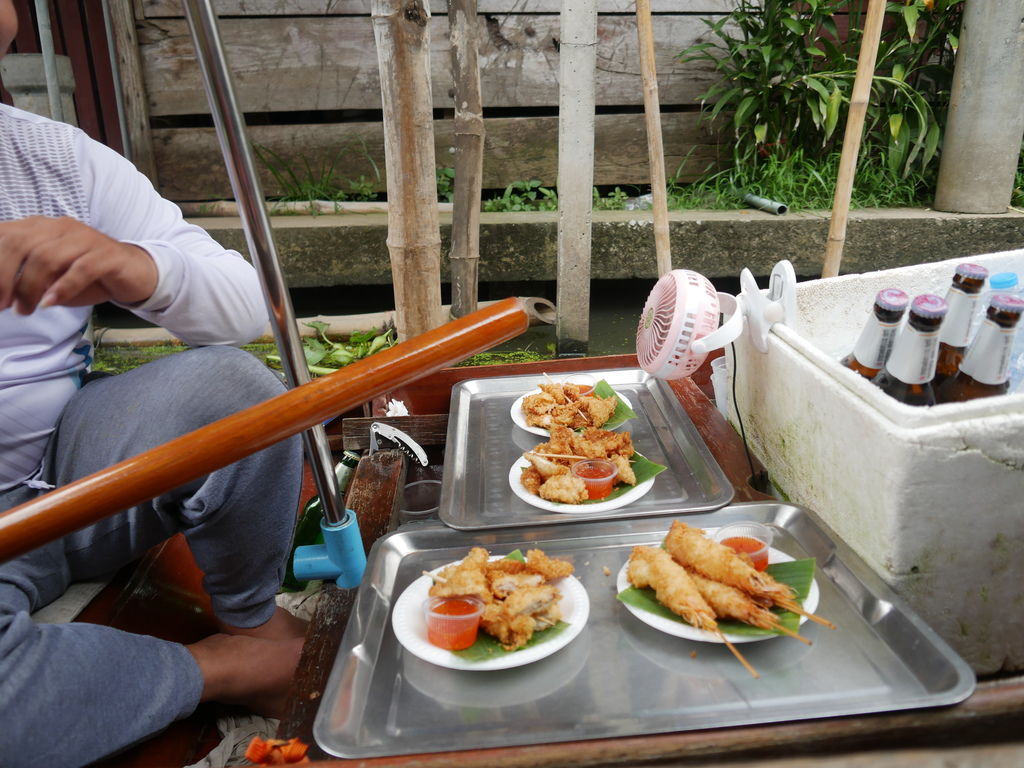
(204, 294)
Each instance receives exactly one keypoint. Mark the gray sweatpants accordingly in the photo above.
(72, 693)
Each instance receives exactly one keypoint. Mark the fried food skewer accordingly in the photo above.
(717, 562)
(654, 567)
(730, 603)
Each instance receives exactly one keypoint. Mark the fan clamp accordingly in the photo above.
(679, 324)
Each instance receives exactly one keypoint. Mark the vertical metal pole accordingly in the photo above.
(115, 73)
(49, 60)
(227, 117)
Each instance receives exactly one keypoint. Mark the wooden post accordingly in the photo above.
(655, 148)
(578, 56)
(981, 145)
(414, 237)
(469, 155)
(138, 139)
(851, 140)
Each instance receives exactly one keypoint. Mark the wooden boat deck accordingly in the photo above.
(162, 593)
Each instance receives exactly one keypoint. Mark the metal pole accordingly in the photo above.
(115, 73)
(49, 60)
(227, 117)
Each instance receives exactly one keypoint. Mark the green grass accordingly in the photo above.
(802, 185)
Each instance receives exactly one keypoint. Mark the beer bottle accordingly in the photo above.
(907, 375)
(985, 368)
(876, 338)
(962, 298)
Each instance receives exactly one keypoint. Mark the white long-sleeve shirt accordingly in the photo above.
(204, 295)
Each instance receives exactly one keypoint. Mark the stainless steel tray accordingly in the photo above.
(483, 444)
(620, 677)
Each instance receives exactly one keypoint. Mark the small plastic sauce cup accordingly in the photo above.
(598, 475)
(452, 622)
(584, 381)
(751, 539)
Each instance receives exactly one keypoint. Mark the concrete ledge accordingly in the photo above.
(351, 249)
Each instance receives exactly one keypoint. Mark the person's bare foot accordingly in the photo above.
(249, 671)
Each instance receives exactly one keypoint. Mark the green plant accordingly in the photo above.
(318, 180)
(1017, 197)
(785, 78)
(445, 184)
(801, 183)
(524, 196)
(325, 356)
(613, 201)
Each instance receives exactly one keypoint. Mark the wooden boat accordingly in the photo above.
(160, 595)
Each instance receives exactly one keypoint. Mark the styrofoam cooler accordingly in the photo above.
(931, 497)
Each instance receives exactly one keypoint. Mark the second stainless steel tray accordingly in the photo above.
(483, 443)
(620, 677)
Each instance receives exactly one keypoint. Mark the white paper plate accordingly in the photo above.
(534, 500)
(411, 628)
(519, 419)
(681, 629)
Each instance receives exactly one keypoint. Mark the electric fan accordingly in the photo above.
(679, 324)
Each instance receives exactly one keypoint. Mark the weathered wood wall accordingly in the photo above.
(306, 76)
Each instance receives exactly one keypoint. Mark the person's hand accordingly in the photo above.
(46, 261)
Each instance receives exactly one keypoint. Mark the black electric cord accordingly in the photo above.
(758, 480)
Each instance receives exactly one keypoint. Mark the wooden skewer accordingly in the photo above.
(796, 608)
(739, 656)
(790, 633)
(556, 455)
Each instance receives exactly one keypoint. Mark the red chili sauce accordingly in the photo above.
(756, 550)
(599, 480)
(453, 633)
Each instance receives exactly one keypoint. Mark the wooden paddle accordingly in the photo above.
(223, 442)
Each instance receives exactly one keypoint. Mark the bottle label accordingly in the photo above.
(913, 356)
(875, 343)
(988, 359)
(956, 327)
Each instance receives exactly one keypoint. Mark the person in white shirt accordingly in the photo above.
(80, 226)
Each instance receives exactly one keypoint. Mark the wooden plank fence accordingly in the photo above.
(307, 78)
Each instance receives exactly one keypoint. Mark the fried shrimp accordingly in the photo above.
(730, 603)
(550, 568)
(653, 567)
(691, 548)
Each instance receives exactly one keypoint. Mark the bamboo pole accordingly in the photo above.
(414, 230)
(223, 442)
(655, 148)
(576, 99)
(469, 155)
(851, 140)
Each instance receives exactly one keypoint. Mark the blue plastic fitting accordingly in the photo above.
(341, 557)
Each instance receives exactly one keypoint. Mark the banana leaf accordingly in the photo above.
(798, 574)
(622, 411)
(643, 468)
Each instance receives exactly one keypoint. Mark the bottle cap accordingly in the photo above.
(1006, 302)
(1003, 281)
(929, 305)
(892, 299)
(973, 271)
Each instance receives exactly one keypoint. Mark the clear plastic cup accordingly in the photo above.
(584, 381)
(598, 475)
(420, 500)
(452, 622)
(747, 538)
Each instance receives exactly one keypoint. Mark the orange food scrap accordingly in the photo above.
(276, 751)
